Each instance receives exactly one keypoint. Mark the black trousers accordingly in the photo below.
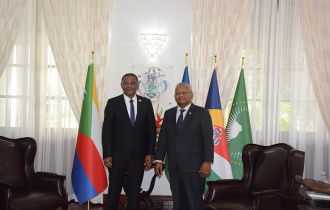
(187, 190)
(133, 169)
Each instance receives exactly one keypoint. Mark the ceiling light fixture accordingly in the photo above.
(153, 42)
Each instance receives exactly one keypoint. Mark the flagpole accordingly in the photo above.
(242, 62)
(93, 44)
(93, 68)
(186, 59)
(215, 63)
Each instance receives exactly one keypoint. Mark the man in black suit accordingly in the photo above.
(128, 140)
(186, 136)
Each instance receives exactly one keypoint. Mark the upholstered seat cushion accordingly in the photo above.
(36, 199)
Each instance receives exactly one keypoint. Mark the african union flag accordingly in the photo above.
(238, 127)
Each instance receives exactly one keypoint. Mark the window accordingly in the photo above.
(31, 92)
(282, 104)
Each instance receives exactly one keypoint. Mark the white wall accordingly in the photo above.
(130, 18)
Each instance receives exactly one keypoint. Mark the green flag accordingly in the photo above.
(238, 129)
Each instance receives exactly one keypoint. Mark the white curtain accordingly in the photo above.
(282, 103)
(33, 100)
(32, 96)
(17, 82)
(11, 12)
(76, 28)
(218, 27)
(315, 19)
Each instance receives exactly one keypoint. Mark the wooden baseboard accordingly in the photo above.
(158, 201)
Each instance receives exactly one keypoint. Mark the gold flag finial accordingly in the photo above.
(242, 62)
(186, 59)
(93, 56)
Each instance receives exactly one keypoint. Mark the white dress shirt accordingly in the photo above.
(128, 105)
(177, 117)
(184, 113)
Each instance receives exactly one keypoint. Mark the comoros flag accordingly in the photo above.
(88, 172)
(221, 168)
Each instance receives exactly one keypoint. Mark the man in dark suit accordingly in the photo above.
(128, 140)
(186, 136)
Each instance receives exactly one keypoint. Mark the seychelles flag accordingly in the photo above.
(88, 173)
(221, 168)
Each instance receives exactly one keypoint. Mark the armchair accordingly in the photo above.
(266, 170)
(20, 186)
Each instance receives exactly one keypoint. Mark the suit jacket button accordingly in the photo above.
(178, 138)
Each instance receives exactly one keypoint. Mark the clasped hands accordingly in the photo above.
(205, 170)
(147, 162)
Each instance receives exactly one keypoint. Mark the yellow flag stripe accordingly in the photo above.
(216, 115)
(96, 101)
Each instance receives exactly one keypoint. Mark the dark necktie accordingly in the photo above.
(132, 112)
(180, 119)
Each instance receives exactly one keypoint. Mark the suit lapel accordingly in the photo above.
(124, 109)
(139, 105)
(172, 119)
(187, 117)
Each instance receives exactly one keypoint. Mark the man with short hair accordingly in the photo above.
(186, 136)
(128, 140)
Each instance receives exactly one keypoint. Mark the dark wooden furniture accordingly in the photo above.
(266, 170)
(292, 199)
(145, 199)
(20, 186)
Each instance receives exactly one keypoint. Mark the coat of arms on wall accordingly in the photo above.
(153, 84)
